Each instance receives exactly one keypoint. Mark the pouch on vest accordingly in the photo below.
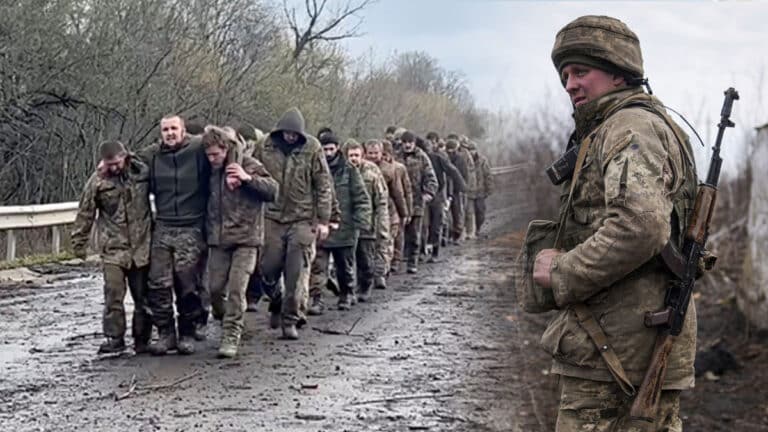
(532, 297)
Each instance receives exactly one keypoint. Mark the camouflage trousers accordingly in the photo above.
(229, 271)
(114, 309)
(365, 257)
(457, 217)
(289, 250)
(386, 253)
(412, 241)
(469, 217)
(344, 262)
(398, 247)
(435, 211)
(175, 269)
(602, 407)
(479, 214)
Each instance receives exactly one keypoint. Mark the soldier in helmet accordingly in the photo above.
(631, 195)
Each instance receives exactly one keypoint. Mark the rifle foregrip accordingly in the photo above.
(702, 213)
(646, 403)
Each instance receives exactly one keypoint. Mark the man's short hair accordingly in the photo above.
(324, 131)
(372, 142)
(224, 137)
(433, 136)
(387, 147)
(111, 149)
(351, 144)
(407, 136)
(247, 132)
(194, 127)
(390, 130)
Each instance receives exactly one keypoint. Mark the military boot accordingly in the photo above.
(290, 332)
(412, 269)
(201, 332)
(165, 342)
(317, 307)
(345, 303)
(433, 258)
(186, 345)
(380, 282)
(112, 345)
(229, 343)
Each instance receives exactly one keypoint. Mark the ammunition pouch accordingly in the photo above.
(531, 297)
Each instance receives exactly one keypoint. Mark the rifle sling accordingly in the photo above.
(584, 315)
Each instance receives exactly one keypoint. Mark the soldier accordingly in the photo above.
(120, 193)
(179, 174)
(355, 211)
(401, 176)
(446, 173)
(389, 133)
(633, 194)
(424, 187)
(398, 211)
(470, 178)
(457, 198)
(300, 216)
(239, 185)
(484, 185)
(377, 233)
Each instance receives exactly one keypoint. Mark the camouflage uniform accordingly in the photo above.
(457, 196)
(470, 178)
(423, 183)
(305, 198)
(398, 243)
(377, 232)
(179, 180)
(398, 211)
(446, 173)
(484, 188)
(234, 226)
(354, 207)
(635, 192)
(124, 226)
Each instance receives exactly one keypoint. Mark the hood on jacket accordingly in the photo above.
(292, 121)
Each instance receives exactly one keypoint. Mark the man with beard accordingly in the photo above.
(355, 215)
(424, 187)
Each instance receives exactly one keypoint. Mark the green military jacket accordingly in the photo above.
(236, 217)
(354, 204)
(398, 206)
(483, 176)
(634, 176)
(377, 190)
(124, 220)
(401, 177)
(470, 171)
(422, 177)
(306, 187)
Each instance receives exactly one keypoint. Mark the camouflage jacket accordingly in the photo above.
(354, 205)
(634, 176)
(422, 176)
(398, 206)
(306, 187)
(377, 190)
(401, 177)
(124, 219)
(484, 177)
(469, 173)
(235, 217)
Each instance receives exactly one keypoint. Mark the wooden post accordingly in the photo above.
(10, 240)
(56, 240)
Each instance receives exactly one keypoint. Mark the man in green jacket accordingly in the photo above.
(300, 216)
(355, 211)
(239, 185)
(633, 194)
(119, 191)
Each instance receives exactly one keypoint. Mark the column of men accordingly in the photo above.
(240, 215)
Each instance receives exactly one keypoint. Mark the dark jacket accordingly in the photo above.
(353, 201)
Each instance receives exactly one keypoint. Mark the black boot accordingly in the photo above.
(112, 345)
(165, 342)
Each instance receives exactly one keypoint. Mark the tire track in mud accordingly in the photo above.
(445, 350)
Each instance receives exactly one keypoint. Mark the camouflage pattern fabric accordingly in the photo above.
(115, 278)
(229, 270)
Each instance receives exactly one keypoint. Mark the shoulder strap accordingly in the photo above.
(583, 314)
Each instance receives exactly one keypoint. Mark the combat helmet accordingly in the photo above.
(599, 41)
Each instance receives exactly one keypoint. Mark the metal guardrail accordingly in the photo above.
(54, 215)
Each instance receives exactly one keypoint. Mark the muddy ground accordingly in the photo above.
(445, 350)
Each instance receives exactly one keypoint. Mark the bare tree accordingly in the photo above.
(323, 29)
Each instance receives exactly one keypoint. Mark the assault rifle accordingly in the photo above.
(684, 266)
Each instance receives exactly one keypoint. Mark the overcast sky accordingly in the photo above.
(693, 50)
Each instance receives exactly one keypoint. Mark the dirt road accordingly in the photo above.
(446, 350)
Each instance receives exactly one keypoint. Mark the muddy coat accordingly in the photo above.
(235, 217)
(398, 207)
(634, 175)
(421, 175)
(401, 176)
(124, 221)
